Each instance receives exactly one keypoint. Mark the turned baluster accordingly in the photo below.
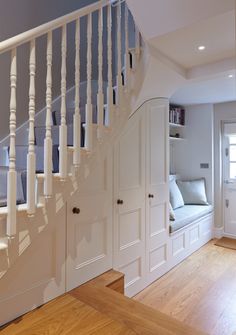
(109, 116)
(48, 137)
(100, 95)
(137, 43)
(77, 117)
(127, 61)
(119, 75)
(89, 107)
(31, 160)
(11, 178)
(63, 126)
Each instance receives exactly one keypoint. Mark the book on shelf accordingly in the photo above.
(177, 115)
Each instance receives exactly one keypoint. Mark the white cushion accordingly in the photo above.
(172, 213)
(172, 177)
(176, 198)
(193, 192)
(188, 214)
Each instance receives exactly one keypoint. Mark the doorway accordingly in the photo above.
(229, 178)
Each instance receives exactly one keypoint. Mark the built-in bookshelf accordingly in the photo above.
(176, 123)
(177, 115)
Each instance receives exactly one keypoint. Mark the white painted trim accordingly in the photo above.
(218, 232)
(167, 61)
(212, 69)
(229, 235)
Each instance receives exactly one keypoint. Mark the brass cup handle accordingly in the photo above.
(150, 195)
(75, 210)
(120, 202)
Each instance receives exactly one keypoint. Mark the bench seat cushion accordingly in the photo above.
(187, 214)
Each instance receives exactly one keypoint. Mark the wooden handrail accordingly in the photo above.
(45, 28)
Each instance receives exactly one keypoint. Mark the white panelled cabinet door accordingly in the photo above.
(141, 197)
(89, 223)
(157, 188)
(129, 204)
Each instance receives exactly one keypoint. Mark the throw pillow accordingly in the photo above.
(176, 198)
(193, 192)
(172, 213)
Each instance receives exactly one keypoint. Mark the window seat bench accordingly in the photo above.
(188, 214)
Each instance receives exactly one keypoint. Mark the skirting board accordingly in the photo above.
(229, 235)
(218, 232)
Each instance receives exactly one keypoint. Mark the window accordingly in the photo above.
(232, 156)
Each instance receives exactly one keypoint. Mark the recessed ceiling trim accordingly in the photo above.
(211, 69)
(167, 61)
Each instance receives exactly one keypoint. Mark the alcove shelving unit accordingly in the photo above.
(176, 123)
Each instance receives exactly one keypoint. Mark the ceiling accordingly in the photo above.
(215, 90)
(176, 28)
(163, 16)
(216, 33)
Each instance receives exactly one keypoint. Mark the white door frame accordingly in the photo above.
(228, 184)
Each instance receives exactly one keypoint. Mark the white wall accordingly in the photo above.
(222, 112)
(197, 148)
(32, 270)
(160, 79)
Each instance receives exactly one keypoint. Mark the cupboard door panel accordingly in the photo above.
(157, 188)
(129, 216)
(89, 233)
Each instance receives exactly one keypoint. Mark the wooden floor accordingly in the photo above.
(96, 309)
(201, 291)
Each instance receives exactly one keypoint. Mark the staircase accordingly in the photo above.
(56, 149)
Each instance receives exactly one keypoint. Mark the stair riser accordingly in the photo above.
(69, 116)
(40, 133)
(21, 158)
(21, 187)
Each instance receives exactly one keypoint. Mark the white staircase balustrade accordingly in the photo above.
(100, 95)
(63, 126)
(109, 116)
(11, 180)
(127, 60)
(137, 43)
(31, 160)
(89, 107)
(77, 117)
(119, 75)
(44, 141)
(48, 135)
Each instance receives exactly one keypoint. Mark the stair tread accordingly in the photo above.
(41, 176)
(19, 208)
(107, 278)
(3, 244)
(95, 309)
(138, 317)
(66, 315)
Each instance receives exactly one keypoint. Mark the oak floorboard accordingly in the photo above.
(96, 309)
(200, 291)
(66, 316)
(138, 317)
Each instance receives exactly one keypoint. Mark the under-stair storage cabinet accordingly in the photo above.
(141, 196)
